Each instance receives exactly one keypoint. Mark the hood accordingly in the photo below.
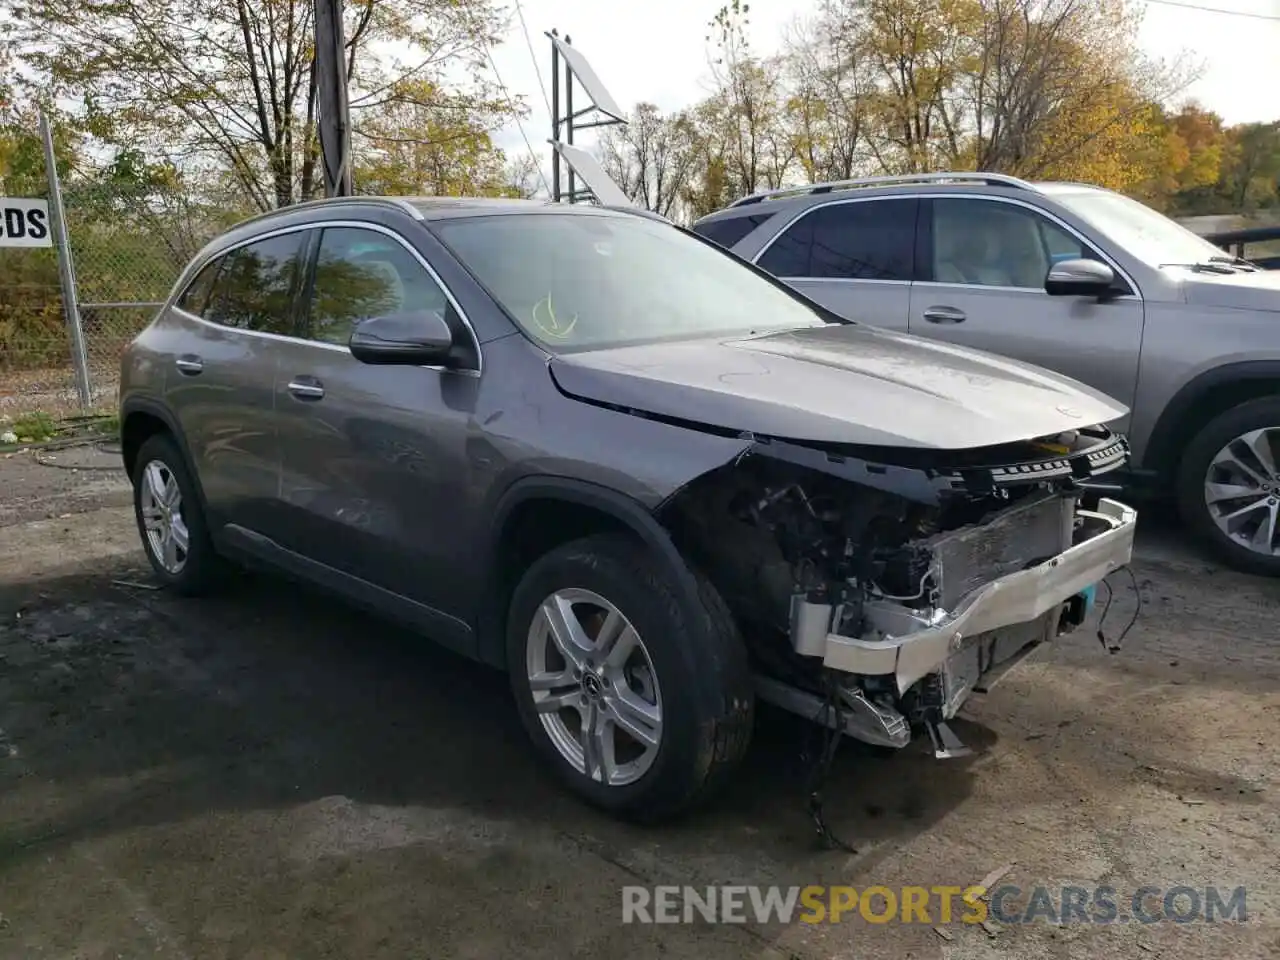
(1239, 291)
(838, 384)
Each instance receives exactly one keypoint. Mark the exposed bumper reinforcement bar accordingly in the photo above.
(1015, 598)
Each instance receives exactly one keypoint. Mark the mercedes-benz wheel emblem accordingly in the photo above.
(592, 686)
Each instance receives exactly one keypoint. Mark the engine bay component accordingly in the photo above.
(908, 592)
(810, 623)
(1104, 544)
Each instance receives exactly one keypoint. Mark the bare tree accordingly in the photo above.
(747, 111)
(829, 94)
(651, 158)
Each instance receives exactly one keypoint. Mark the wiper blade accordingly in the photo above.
(1235, 262)
(1206, 267)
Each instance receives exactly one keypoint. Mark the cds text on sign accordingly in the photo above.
(24, 223)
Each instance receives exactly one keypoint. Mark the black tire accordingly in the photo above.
(697, 654)
(1194, 466)
(203, 570)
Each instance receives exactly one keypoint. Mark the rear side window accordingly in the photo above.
(729, 231)
(196, 297)
(866, 240)
(256, 286)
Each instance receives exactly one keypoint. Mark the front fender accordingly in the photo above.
(630, 513)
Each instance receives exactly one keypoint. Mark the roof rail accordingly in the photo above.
(991, 179)
(397, 203)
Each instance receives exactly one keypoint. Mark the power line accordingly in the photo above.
(515, 114)
(534, 57)
(1230, 13)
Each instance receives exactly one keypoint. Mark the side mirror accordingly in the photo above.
(1080, 278)
(420, 337)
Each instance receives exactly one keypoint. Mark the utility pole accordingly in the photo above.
(331, 99)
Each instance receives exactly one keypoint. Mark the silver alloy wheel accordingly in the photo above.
(166, 528)
(1242, 490)
(594, 687)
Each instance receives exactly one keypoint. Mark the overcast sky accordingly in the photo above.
(657, 51)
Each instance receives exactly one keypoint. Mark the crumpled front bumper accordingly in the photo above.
(1017, 598)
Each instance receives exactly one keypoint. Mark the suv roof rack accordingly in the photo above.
(396, 203)
(990, 179)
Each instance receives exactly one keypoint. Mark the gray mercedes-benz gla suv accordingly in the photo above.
(651, 482)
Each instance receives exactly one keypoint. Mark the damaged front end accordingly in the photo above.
(878, 589)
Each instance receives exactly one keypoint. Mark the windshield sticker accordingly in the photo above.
(544, 318)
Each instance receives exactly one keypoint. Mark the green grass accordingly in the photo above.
(41, 427)
(34, 428)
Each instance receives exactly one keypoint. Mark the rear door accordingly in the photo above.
(374, 458)
(855, 257)
(728, 232)
(983, 263)
(222, 386)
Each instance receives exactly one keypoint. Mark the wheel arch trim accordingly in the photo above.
(1162, 447)
(155, 408)
(626, 510)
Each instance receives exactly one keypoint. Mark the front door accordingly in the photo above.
(373, 458)
(983, 273)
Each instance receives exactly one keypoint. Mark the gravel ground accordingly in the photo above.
(269, 774)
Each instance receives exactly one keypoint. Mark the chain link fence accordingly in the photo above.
(127, 244)
(36, 373)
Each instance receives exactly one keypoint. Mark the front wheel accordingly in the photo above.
(641, 705)
(1229, 486)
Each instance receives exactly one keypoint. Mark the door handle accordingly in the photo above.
(306, 388)
(189, 364)
(944, 315)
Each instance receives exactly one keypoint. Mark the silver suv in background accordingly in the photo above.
(1074, 278)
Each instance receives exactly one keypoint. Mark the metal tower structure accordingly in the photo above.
(601, 111)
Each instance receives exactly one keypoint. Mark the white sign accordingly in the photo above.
(24, 223)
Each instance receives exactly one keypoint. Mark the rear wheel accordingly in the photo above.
(641, 705)
(1229, 486)
(170, 521)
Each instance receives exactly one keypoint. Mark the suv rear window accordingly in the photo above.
(730, 230)
(863, 240)
(255, 289)
(196, 296)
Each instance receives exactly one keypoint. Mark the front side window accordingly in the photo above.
(1137, 229)
(864, 240)
(362, 274)
(256, 286)
(992, 244)
(587, 280)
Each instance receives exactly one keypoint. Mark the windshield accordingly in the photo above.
(1150, 236)
(578, 281)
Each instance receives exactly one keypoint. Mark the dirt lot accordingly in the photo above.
(272, 775)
